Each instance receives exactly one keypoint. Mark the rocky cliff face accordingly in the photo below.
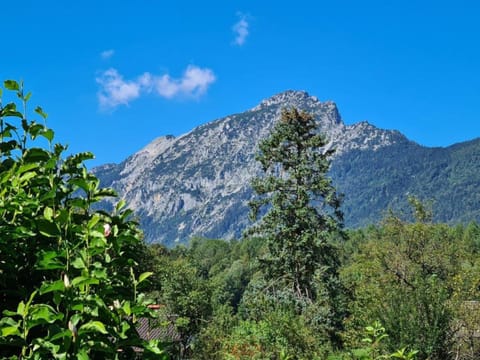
(198, 184)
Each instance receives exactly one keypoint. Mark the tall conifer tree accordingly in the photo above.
(300, 206)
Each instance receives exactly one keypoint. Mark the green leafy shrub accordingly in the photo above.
(412, 277)
(68, 286)
(373, 347)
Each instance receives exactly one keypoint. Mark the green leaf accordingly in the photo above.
(48, 213)
(30, 299)
(84, 280)
(50, 346)
(10, 330)
(153, 347)
(48, 195)
(144, 276)
(11, 85)
(61, 335)
(49, 260)
(92, 326)
(40, 112)
(13, 113)
(126, 307)
(125, 214)
(48, 228)
(93, 221)
(78, 203)
(78, 263)
(21, 232)
(36, 155)
(57, 298)
(106, 192)
(21, 308)
(27, 167)
(100, 273)
(82, 355)
(26, 177)
(6, 147)
(120, 205)
(25, 124)
(35, 129)
(48, 134)
(81, 183)
(43, 313)
(79, 158)
(98, 241)
(9, 313)
(123, 332)
(52, 286)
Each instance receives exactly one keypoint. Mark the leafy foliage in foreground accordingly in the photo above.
(68, 285)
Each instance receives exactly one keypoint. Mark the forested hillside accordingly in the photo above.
(375, 181)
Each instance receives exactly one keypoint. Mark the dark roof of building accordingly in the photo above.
(160, 327)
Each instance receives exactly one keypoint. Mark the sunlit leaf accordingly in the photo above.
(93, 221)
(43, 313)
(92, 326)
(78, 263)
(10, 330)
(120, 205)
(11, 85)
(84, 280)
(21, 308)
(48, 213)
(52, 286)
(144, 276)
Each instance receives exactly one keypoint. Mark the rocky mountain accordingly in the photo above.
(197, 184)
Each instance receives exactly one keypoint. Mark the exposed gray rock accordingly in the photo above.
(198, 184)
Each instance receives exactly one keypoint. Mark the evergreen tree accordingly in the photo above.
(300, 206)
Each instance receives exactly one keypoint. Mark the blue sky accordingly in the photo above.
(114, 75)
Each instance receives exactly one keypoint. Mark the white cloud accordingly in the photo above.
(107, 54)
(115, 91)
(241, 30)
(193, 83)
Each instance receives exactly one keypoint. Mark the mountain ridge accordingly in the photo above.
(197, 184)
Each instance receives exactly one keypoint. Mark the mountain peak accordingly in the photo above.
(290, 94)
(288, 98)
(198, 184)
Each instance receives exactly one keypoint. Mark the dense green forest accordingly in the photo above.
(417, 282)
(76, 282)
